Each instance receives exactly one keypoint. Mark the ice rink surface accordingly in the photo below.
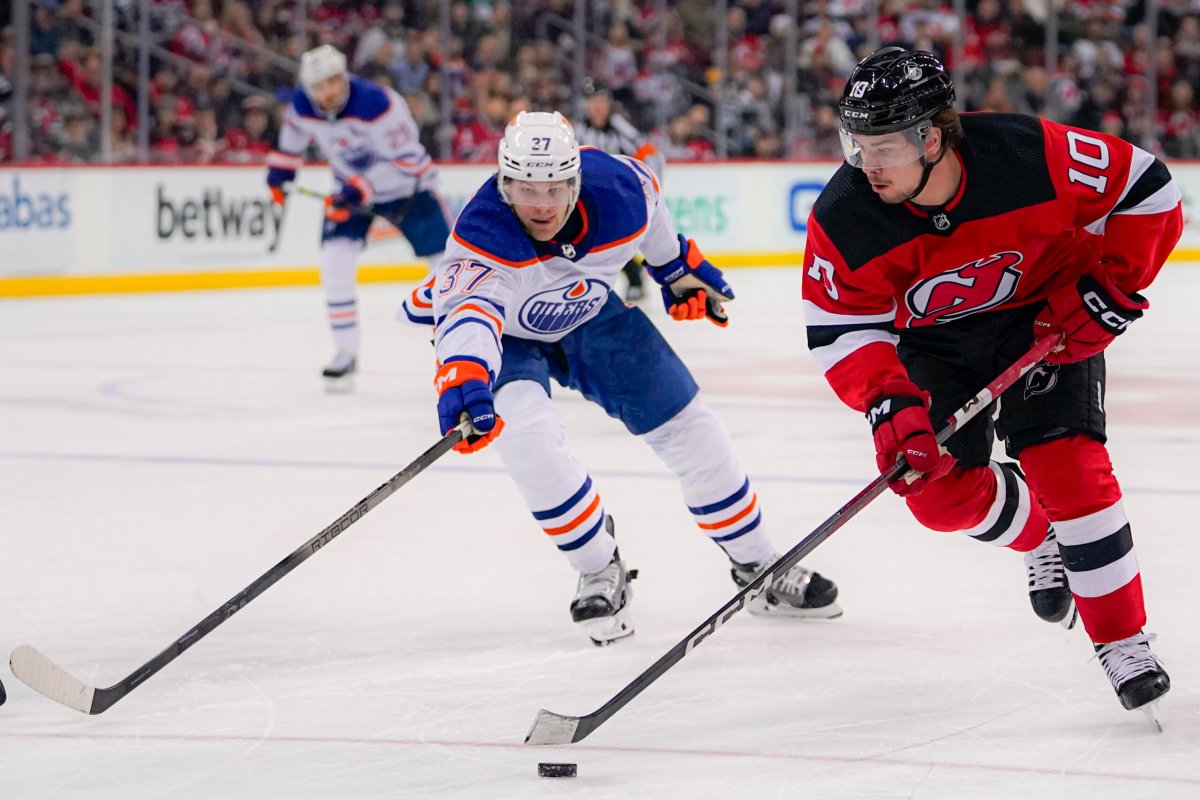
(159, 452)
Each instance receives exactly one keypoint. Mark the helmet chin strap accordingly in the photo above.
(925, 173)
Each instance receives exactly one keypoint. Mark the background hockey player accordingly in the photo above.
(607, 130)
(371, 141)
(523, 296)
(935, 255)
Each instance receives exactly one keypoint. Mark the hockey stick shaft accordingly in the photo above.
(42, 675)
(551, 728)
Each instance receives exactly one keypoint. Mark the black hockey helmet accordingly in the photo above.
(594, 86)
(894, 89)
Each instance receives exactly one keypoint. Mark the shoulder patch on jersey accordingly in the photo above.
(859, 224)
(487, 226)
(614, 197)
(367, 101)
(302, 104)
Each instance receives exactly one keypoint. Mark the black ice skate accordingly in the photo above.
(1049, 593)
(799, 592)
(1135, 673)
(601, 604)
(339, 375)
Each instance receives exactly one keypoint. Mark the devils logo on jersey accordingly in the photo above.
(558, 310)
(967, 290)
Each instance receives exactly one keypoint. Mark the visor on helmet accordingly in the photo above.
(866, 151)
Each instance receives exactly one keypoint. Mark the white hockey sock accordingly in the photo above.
(556, 487)
(697, 448)
(339, 259)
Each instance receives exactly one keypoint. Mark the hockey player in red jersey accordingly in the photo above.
(937, 253)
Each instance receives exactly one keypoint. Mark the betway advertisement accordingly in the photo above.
(149, 220)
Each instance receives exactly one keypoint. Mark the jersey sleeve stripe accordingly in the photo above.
(841, 347)
(281, 160)
(638, 166)
(470, 308)
(825, 335)
(815, 315)
(459, 324)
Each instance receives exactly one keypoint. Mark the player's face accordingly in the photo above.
(891, 163)
(542, 207)
(330, 93)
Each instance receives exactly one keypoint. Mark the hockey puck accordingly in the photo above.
(556, 770)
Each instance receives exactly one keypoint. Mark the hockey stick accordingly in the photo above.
(44, 676)
(551, 728)
(368, 211)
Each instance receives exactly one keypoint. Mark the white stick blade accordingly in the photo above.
(45, 677)
(551, 728)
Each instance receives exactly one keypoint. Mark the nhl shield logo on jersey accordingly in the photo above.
(960, 292)
(558, 310)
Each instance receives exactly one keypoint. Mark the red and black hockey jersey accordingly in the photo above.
(1040, 204)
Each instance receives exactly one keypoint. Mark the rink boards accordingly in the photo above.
(130, 228)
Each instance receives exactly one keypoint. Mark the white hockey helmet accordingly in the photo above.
(321, 63)
(539, 147)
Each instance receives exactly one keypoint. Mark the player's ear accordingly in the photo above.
(933, 144)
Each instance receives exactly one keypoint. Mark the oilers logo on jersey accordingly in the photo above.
(558, 310)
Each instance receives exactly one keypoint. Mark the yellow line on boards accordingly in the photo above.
(50, 285)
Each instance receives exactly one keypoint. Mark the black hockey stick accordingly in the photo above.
(551, 728)
(44, 676)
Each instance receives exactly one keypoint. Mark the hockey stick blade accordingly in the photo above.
(551, 728)
(47, 678)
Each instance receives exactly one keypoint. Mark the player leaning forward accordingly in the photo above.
(936, 255)
(524, 295)
(371, 141)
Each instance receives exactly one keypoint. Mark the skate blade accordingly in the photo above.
(761, 608)
(342, 385)
(603, 631)
(1071, 618)
(1151, 712)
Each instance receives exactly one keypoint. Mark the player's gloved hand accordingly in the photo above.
(279, 181)
(1088, 315)
(354, 194)
(464, 387)
(899, 415)
(692, 288)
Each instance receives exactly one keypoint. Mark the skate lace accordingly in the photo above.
(1044, 566)
(794, 582)
(604, 582)
(1127, 658)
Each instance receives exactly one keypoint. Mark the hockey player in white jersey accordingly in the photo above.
(371, 141)
(523, 295)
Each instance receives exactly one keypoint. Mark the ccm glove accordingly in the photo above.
(464, 387)
(1088, 315)
(354, 194)
(899, 417)
(692, 288)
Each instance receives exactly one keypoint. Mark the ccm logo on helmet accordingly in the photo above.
(960, 292)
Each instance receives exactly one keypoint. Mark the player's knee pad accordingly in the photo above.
(1071, 475)
(694, 443)
(533, 446)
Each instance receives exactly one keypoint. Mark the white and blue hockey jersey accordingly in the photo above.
(496, 280)
(374, 136)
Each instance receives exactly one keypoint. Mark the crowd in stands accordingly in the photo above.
(221, 70)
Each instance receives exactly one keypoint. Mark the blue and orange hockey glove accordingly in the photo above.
(692, 288)
(465, 387)
(355, 193)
